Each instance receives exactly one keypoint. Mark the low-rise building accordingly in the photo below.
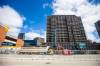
(40, 41)
(29, 43)
(93, 46)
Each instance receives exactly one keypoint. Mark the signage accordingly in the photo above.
(82, 45)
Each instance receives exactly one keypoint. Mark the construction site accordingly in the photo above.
(18, 55)
(19, 48)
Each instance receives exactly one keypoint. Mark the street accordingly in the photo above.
(49, 60)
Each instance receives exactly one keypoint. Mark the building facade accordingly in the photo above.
(21, 36)
(97, 24)
(65, 30)
(8, 44)
(30, 43)
(39, 41)
(2, 34)
(93, 46)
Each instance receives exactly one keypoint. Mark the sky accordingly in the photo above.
(30, 16)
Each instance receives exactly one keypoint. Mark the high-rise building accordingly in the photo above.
(21, 36)
(97, 24)
(66, 31)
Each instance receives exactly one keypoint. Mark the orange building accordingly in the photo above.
(2, 33)
(19, 43)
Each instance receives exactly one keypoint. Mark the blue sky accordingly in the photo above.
(35, 12)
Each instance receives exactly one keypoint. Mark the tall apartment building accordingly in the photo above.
(65, 30)
(97, 24)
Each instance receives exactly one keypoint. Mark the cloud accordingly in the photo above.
(31, 35)
(11, 18)
(46, 5)
(90, 13)
(25, 26)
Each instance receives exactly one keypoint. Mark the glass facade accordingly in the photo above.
(30, 43)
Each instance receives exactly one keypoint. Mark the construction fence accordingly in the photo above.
(75, 52)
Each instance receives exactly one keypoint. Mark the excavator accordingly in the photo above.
(19, 46)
